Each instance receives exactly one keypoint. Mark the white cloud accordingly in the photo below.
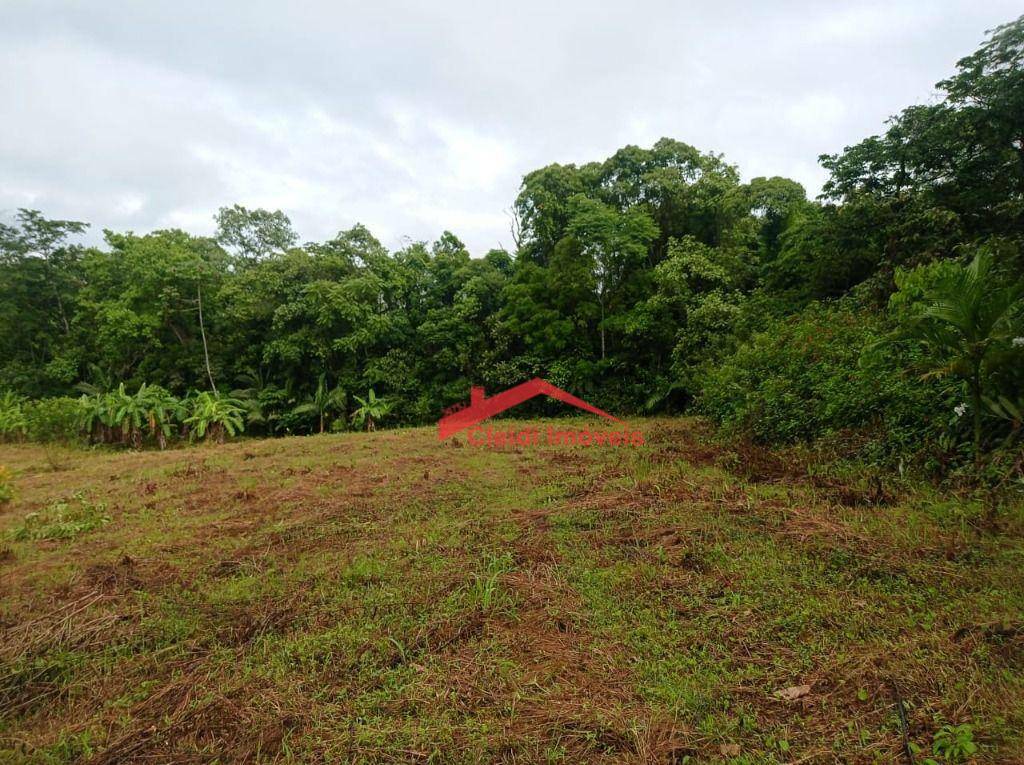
(415, 118)
(816, 115)
(871, 23)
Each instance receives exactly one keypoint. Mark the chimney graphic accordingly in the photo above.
(476, 395)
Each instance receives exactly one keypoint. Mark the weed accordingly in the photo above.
(486, 590)
(6, 486)
(953, 744)
(64, 519)
(640, 470)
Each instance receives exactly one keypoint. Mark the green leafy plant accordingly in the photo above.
(54, 423)
(371, 410)
(52, 420)
(1012, 411)
(13, 426)
(130, 418)
(260, 399)
(162, 410)
(966, 314)
(64, 519)
(953, 744)
(215, 417)
(130, 412)
(324, 401)
(813, 376)
(97, 416)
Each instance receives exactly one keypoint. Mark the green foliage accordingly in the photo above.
(64, 519)
(324, 402)
(948, 172)
(151, 414)
(215, 417)
(1007, 409)
(637, 282)
(40, 273)
(486, 591)
(778, 386)
(371, 410)
(697, 290)
(816, 374)
(52, 420)
(953, 744)
(254, 234)
(13, 425)
(6, 486)
(965, 316)
(97, 416)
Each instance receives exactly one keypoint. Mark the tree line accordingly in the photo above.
(655, 280)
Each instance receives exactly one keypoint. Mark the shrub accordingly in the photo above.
(968, 318)
(821, 372)
(52, 420)
(12, 417)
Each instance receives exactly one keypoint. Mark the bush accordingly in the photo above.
(967, 322)
(12, 417)
(821, 372)
(52, 420)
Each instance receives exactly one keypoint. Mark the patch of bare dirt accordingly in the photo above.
(129, 574)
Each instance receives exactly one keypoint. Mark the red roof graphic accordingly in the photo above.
(480, 407)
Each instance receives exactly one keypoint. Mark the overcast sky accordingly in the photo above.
(413, 118)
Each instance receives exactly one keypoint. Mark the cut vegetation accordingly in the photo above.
(389, 598)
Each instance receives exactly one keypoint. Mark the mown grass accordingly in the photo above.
(387, 598)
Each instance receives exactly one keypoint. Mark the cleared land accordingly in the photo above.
(386, 598)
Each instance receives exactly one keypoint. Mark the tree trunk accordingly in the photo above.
(202, 331)
(976, 407)
(63, 315)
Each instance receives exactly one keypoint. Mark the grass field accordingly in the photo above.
(389, 598)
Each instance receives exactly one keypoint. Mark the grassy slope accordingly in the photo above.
(386, 598)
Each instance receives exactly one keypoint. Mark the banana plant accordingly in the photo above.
(161, 413)
(371, 409)
(215, 416)
(131, 412)
(323, 401)
(98, 416)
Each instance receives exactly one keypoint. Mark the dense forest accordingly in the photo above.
(653, 281)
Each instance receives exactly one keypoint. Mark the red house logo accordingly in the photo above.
(480, 408)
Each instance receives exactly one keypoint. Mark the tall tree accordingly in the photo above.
(40, 273)
(254, 234)
(613, 243)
